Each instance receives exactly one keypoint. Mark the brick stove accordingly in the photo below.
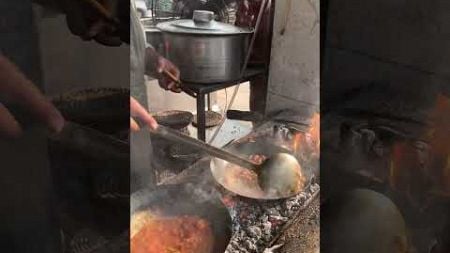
(257, 224)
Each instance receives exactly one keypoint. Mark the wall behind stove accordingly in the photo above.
(401, 44)
(294, 79)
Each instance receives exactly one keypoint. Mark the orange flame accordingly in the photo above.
(408, 169)
(404, 166)
(310, 141)
(297, 140)
(314, 132)
(439, 139)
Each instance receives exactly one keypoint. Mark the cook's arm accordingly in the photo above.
(17, 89)
(155, 65)
(151, 61)
(86, 22)
(138, 35)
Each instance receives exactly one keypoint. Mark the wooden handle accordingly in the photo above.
(171, 76)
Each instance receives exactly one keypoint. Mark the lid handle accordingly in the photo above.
(203, 17)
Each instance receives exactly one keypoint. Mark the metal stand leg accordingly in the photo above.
(201, 119)
(209, 101)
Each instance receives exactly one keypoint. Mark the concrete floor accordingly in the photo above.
(160, 100)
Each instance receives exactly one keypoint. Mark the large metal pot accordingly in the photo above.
(206, 51)
(154, 37)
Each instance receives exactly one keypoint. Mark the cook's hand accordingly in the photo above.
(17, 89)
(138, 111)
(85, 21)
(164, 81)
(156, 65)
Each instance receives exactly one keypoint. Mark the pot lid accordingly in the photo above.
(202, 22)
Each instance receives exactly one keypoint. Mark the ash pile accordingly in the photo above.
(256, 224)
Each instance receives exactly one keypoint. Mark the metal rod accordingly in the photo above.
(201, 118)
(211, 150)
(244, 66)
(208, 96)
(92, 142)
(250, 47)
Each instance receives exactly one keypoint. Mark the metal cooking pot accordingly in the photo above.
(154, 37)
(205, 51)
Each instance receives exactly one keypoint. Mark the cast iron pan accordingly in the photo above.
(174, 119)
(187, 199)
(104, 109)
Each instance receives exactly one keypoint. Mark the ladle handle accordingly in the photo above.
(211, 150)
(172, 77)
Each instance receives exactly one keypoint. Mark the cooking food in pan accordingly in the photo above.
(180, 234)
(247, 181)
(181, 218)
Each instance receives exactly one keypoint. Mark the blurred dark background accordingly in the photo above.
(384, 105)
(57, 197)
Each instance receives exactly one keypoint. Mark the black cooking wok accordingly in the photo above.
(186, 199)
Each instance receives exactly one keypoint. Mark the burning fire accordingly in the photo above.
(412, 164)
(439, 140)
(314, 132)
(406, 170)
(297, 140)
(311, 139)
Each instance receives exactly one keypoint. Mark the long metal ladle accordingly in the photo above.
(280, 172)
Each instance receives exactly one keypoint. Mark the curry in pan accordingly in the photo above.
(179, 234)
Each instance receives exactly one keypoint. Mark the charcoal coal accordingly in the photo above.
(254, 231)
(250, 246)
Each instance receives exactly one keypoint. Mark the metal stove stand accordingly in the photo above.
(201, 91)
